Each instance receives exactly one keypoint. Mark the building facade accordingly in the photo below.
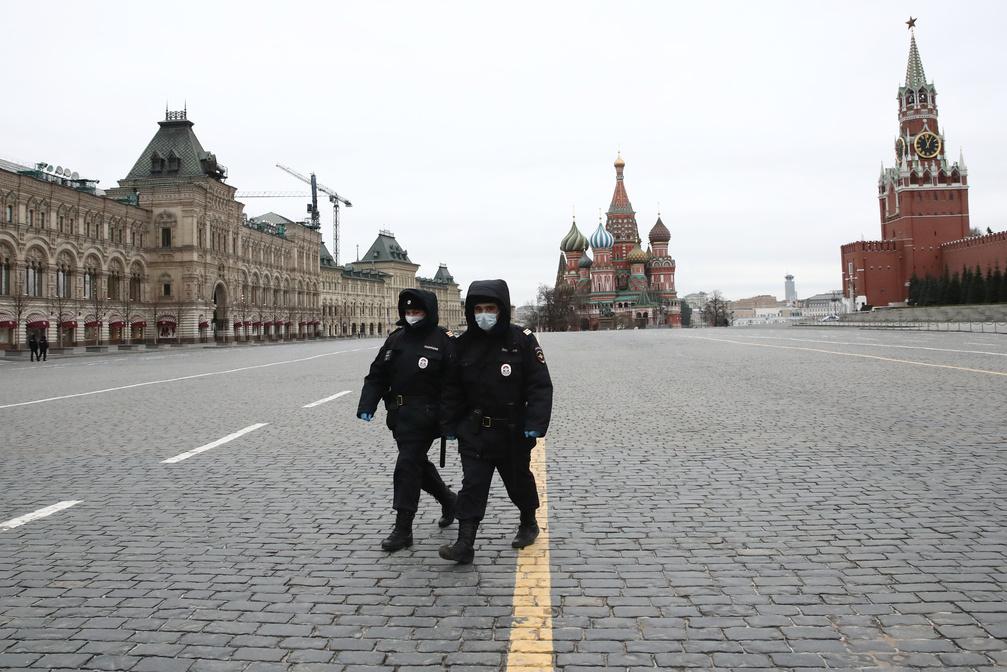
(170, 254)
(923, 206)
(623, 285)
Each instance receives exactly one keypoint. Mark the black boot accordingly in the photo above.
(402, 535)
(527, 531)
(447, 509)
(463, 550)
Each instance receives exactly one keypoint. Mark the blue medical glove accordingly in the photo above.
(366, 417)
(531, 434)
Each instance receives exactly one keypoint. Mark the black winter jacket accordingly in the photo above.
(501, 375)
(409, 372)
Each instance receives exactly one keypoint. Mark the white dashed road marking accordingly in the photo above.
(219, 442)
(854, 354)
(35, 515)
(882, 345)
(171, 380)
(322, 401)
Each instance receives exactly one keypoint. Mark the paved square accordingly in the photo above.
(730, 499)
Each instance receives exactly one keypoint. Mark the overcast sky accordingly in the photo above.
(472, 130)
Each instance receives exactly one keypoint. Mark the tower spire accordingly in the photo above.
(915, 77)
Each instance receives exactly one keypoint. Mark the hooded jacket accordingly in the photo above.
(409, 371)
(500, 374)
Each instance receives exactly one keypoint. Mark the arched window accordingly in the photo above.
(90, 281)
(10, 214)
(134, 286)
(64, 281)
(33, 278)
(4, 275)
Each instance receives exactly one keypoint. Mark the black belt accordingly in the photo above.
(400, 399)
(490, 423)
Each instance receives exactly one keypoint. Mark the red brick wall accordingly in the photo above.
(877, 268)
(985, 251)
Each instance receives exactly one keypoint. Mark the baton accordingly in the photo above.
(444, 450)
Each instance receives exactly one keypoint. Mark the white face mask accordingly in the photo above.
(485, 321)
(413, 319)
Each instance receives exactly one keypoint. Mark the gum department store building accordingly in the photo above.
(170, 254)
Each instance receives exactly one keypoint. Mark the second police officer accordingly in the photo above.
(408, 374)
(497, 402)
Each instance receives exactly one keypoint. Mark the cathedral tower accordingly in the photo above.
(621, 223)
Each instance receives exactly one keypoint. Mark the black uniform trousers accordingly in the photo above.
(514, 467)
(414, 472)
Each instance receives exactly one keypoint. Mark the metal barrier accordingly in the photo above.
(999, 328)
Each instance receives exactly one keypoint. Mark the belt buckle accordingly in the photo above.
(487, 421)
(400, 400)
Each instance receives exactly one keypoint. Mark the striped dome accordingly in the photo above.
(574, 240)
(637, 255)
(601, 239)
(585, 262)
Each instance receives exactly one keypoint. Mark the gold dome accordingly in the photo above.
(619, 163)
(637, 255)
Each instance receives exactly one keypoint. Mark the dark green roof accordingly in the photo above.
(386, 248)
(175, 152)
(363, 272)
(325, 258)
(443, 274)
(272, 218)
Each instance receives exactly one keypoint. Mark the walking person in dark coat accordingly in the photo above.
(43, 346)
(409, 374)
(33, 346)
(498, 402)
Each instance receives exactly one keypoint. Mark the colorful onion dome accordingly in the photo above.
(637, 255)
(585, 262)
(660, 232)
(574, 240)
(601, 239)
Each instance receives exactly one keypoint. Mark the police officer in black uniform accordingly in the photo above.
(497, 402)
(408, 374)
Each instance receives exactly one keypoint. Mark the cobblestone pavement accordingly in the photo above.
(730, 499)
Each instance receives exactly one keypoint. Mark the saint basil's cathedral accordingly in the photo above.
(623, 285)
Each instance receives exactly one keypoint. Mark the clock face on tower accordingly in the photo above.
(927, 145)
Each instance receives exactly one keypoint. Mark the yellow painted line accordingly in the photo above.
(854, 354)
(530, 648)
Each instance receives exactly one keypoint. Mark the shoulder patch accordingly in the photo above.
(527, 332)
(450, 333)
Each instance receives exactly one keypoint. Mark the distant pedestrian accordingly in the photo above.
(33, 345)
(409, 375)
(43, 346)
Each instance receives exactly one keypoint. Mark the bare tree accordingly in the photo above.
(19, 303)
(556, 307)
(716, 312)
(260, 317)
(241, 310)
(99, 304)
(126, 304)
(181, 307)
(60, 307)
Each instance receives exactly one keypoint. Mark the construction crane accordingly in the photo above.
(272, 194)
(334, 198)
